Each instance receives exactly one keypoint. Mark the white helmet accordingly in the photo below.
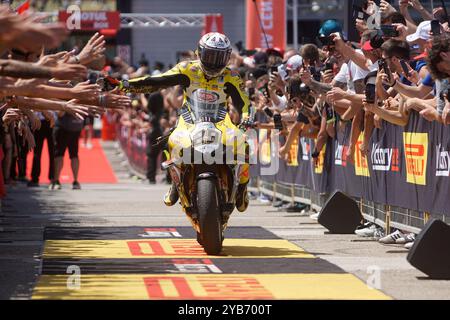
(214, 52)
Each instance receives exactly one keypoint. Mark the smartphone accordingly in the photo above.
(268, 112)
(273, 69)
(389, 31)
(251, 93)
(404, 67)
(383, 66)
(278, 122)
(435, 28)
(329, 66)
(370, 93)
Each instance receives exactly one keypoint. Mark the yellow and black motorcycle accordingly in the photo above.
(207, 161)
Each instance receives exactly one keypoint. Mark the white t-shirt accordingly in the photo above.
(282, 104)
(349, 73)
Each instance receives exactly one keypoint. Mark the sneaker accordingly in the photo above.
(315, 216)
(278, 203)
(76, 185)
(391, 238)
(171, 197)
(55, 186)
(252, 195)
(409, 245)
(367, 232)
(297, 207)
(32, 184)
(264, 199)
(23, 179)
(364, 225)
(378, 234)
(408, 238)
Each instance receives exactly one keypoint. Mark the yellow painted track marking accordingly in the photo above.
(233, 287)
(170, 248)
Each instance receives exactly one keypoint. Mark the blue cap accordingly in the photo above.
(329, 27)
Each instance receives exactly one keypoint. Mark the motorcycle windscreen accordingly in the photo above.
(206, 106)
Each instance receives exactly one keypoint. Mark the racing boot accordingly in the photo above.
(171, 196)
(242, 198)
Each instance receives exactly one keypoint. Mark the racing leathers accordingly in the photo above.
(195, 84)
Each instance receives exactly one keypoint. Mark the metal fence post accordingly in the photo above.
(387, 209)
(292, 194)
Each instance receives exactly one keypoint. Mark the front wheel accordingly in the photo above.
(209, 216)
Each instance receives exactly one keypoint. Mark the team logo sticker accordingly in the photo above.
(416, 157)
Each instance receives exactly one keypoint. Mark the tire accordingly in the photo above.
(209, 216)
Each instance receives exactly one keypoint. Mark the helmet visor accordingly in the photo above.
(214, 60)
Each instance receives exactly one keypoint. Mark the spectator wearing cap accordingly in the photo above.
(421, 36)
(329, 27)
(294, 65)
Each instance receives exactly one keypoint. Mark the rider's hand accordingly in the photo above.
(114, 82)
(246, 124)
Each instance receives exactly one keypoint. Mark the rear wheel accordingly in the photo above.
(209, 216)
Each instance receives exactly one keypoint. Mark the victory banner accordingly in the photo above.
(272, 17)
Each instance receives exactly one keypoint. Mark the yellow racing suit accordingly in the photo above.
(190, 77)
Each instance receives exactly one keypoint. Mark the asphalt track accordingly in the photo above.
(126, 245)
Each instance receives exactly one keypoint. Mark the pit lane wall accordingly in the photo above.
(402, 182)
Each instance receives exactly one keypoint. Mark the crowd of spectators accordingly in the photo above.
(46, 95)
(398, 66)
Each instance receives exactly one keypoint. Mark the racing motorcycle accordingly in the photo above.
(206, 156)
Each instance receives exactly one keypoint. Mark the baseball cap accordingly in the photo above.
(375, 42)
(329, 27)
(294, 62)
(260, 58)
(422, 32)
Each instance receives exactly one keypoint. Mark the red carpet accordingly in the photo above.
(94, 167)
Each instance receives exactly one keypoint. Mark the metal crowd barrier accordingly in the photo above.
(385, 216)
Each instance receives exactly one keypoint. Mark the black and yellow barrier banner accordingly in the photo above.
(407, 166)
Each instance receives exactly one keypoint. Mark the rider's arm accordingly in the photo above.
(150, 84)
(234, 88)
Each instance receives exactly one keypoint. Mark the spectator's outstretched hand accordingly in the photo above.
(113, 100)
(87, 92)
(74, 108)
(93, 50)
(51, 60)
(386, 8)
(64, 71)
(11, 115)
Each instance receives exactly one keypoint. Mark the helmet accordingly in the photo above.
(214, 52)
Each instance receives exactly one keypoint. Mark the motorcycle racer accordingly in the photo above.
(206, 77)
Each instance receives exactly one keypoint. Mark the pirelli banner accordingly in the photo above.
(407, 167)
